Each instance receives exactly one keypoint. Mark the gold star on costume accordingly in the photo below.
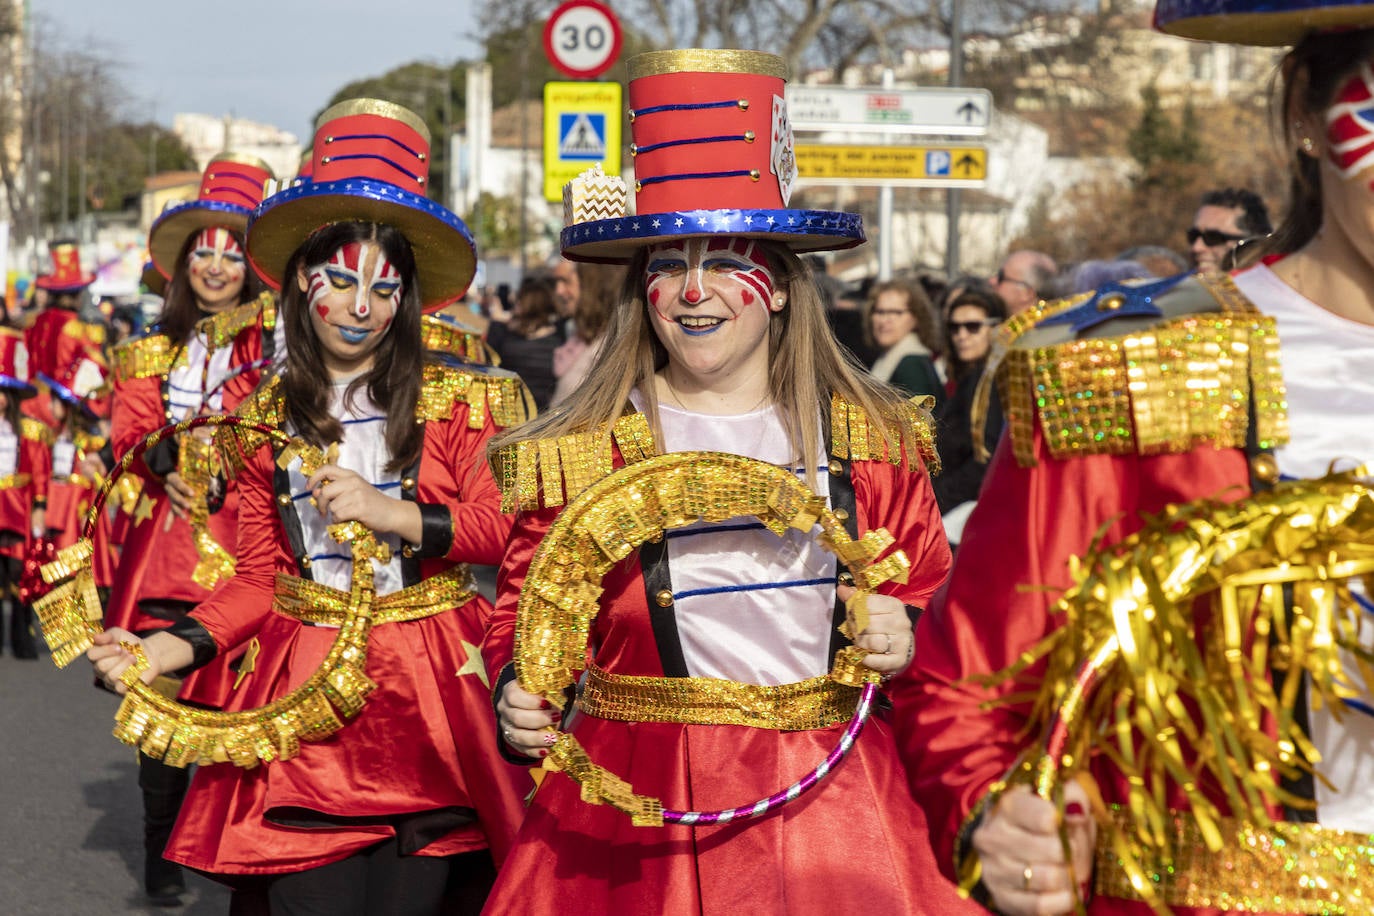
(144, 511)
(474, 664)
(248, 662)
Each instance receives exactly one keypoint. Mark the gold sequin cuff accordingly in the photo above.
(1290, 868)
(818, 702)
(311, 602)
(144, 357)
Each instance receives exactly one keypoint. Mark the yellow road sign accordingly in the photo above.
(922, 166)
(581, 128)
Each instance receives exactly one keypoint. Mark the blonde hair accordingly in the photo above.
(805, 366)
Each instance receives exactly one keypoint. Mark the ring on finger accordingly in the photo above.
(887, 650)
(1027, 874)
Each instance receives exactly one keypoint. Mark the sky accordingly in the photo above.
(273, 61)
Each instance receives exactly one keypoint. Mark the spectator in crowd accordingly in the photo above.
(526, 342)
(1224, 219)
(901, 324)
(972, 315)
(567, 291)
(1024, 278)
(600, 288)
(1096, 274)
(1158, 260)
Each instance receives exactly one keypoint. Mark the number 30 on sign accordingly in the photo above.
(582, 38)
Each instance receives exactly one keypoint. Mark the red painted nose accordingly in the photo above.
(692, 295)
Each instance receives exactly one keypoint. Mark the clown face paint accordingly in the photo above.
(695, 269)
(215, 268)
(1350, 124)
(713, 301)
(352, 298)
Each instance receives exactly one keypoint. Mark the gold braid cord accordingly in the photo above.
(70, 615)
(1135, 676)
(638, 503)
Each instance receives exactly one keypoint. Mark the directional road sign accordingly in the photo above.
(581, 128)
(964, 166)
(582, 38)
(954, 112)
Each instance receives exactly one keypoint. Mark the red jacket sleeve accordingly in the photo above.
(137, 411)
(1011, 566)
(902, 501)
(246, 351)
(236, 608)
(480, 528)
(498, 648)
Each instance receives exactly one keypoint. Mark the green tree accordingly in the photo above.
(495, 224)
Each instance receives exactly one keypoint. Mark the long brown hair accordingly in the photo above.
(393, 381)
(180, 311)
(1310, 77)
(534, 309)
(805, 366)
(917, 303)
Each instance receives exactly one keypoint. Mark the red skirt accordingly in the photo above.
(423, 742)
(856, 844)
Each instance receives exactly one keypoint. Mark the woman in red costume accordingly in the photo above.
(719, 343)
(1059, 480)
(25, 467)
(77, 467)
(409, 802)
(180, 540)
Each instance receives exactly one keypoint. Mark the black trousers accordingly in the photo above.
(379, 881)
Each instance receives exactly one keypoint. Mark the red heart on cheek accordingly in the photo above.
(653, 297)
(746, 297)
(322, 310)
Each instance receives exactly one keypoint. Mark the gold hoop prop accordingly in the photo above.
(1215, 702)
(70, 615)
(634, 505)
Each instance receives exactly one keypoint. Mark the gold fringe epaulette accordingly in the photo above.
(84, 330)
(221, 329)
(237, 444)
(36, 431)
(853, 434)
(546, 473)
(88, 443)
(1139, 386)
(447, 335)
(486, 392)
(144, 357)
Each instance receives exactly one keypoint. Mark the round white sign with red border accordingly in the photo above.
(582, 38)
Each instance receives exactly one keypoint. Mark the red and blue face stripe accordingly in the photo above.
(1350, 124)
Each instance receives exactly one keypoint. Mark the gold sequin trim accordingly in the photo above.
(855, 436)
(547, 473)
(495, 393)
(451, 337)
(311, 602)
(220, 329)
(818, 702)
(36, 431)
(144, 357)
(1289, 868)
(13, 481)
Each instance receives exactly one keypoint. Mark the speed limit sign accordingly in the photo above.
(582, 38)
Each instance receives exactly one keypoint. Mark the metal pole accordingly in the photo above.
(956, 78)
(885, 209)
(524, 152)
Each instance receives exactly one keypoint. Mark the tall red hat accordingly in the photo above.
(67, 275)
(230, 188)
(1259, 22)
(14, 363)
(370, 164)
(712, 156)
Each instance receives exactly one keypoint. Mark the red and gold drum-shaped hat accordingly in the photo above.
(712, 156)
(67, 275)
(14, 364)
(1259, 22)
(370, 164)
(231, 186)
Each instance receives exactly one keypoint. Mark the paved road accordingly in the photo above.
(71, 839)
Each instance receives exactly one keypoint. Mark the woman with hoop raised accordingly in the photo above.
(715, 675)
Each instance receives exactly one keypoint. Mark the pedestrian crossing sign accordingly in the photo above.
(582, 127)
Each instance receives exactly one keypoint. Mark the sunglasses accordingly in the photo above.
(1003, 278)
(1213, 237)
(968, 327)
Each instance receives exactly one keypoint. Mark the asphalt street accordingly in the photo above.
(71, 832)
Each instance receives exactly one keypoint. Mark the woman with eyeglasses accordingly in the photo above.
(901, 324)
(972, 316)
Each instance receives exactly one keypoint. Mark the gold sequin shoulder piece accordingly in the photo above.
(36, 431)
(547, 473)
(221, 329)
(486, 392)
(447, 335)
(1155, 368)
(144, 357)
(855, 436)
(237, 444)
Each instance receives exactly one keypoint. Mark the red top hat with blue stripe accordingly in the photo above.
(230, 188)
(14, 364)
(67, 275)
(1259, 22)
(370, 164)
(712, 156)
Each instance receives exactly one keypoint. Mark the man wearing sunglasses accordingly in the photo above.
(1225, 218)
(1024, 279)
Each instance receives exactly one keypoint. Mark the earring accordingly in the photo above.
(1308, 145)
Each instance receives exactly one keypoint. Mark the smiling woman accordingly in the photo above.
(709, 683)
